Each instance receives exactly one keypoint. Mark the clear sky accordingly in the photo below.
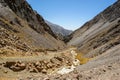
(71, 14)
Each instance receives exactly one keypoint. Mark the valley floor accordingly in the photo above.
(39, 64)
(49, 66)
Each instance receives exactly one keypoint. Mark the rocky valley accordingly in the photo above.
(30, 48)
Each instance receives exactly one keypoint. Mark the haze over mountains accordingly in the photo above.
(31, 48)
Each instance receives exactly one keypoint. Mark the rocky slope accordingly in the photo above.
(22, 28)
(58, 30)
(99, 34)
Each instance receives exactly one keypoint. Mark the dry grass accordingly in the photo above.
(10, 52)
(82, 59)
(6, 22)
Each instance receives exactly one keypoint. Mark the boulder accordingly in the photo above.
(9, 64)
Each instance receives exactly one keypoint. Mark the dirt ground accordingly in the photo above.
(103, 67)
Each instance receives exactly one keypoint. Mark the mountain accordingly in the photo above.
(22, 28)
(58, 30)
(99, 40)
(99, 34)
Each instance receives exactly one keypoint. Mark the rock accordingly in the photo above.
(37, 63)
(9, 64)
(52, 60)
(39, 68)
(45, 62)
(34, 70)
(59, 58)
(22, 66)
(56, 61)
(5, 71)
(104, 70)
(18, 66)
(14, 68)
(50, 65)
(44, 71)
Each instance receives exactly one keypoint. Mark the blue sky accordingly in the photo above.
(71, 14)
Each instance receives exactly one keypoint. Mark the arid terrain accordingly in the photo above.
(31, 50)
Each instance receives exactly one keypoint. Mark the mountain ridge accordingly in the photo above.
(58, 29)
(60, 32)
(27, 25)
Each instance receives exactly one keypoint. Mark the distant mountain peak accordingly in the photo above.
(58, 29)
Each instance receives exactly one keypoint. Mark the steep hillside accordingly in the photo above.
(99, 34)
(24, 29)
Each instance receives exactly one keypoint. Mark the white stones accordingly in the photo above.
(66, 70)
(76, 62)
(73, 53)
